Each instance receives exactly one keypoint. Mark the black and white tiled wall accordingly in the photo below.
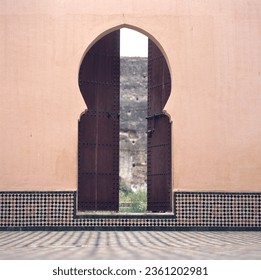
(192, 211)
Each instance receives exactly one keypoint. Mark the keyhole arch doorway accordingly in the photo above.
(98, 128)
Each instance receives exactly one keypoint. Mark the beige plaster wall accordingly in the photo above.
(213, 50)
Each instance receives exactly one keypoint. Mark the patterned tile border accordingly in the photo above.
(192, 211)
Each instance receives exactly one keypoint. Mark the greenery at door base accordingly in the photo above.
(132, 201)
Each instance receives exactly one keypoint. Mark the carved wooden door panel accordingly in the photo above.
(159, 133)
(98, 128)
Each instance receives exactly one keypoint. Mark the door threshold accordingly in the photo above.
(111, 214)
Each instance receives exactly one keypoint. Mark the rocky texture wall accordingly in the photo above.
(133, 123)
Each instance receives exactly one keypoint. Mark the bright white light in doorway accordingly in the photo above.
(133, 43)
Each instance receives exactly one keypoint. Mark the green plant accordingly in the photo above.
(132, 201)
(124, 189)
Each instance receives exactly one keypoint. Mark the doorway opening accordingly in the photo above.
(124, 141)
(133, 122)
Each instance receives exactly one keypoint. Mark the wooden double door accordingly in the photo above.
(98, 129)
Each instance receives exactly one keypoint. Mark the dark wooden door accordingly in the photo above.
(98, 139)
(159, 133)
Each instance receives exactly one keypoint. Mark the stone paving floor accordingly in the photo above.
(161, 245)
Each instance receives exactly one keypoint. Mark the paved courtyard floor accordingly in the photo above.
(78, 245)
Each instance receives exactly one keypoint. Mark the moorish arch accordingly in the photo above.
(98, 128)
